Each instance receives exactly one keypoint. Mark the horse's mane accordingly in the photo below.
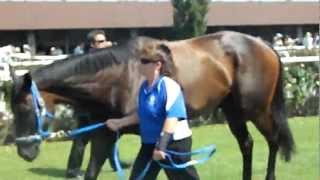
(87, 64)
(91, 63)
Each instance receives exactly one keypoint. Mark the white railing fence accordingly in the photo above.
(8, 56)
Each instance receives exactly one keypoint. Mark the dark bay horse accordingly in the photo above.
(94, 85)
(234, 71)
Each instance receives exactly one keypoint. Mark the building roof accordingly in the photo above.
(28, 15)
(263, 13)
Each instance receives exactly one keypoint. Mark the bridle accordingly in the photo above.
(40, 111)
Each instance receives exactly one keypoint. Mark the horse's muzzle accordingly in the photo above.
(28, 152)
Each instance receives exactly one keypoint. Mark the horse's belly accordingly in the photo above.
(204, 88)
(202, 99)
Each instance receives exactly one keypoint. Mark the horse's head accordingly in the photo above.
(24, 116)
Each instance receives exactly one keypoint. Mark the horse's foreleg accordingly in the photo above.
(76, 156)
(239, 130)
(100, 145)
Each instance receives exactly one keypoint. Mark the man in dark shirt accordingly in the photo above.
(98, 40)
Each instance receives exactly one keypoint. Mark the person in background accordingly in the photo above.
(316, 40)
(162, 119)
(79, 49)
(98, 40)
(277, 40)
(55, 51)
(308, 41)
(288, 41)
(26, 49)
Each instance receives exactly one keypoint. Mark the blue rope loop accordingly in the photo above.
(208, 150)
(120, 172)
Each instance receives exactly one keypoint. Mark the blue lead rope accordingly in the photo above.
(59, 134)
(209, 150)
(79, 131)
(41, 111)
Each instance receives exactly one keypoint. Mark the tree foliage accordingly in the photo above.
(189, 18)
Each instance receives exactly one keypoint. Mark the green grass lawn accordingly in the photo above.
(225, 164)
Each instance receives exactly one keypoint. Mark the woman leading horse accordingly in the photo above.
(162, 119)
(234, 71)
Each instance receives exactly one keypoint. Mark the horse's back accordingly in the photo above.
(213, 66)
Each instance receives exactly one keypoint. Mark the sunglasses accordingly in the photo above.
(100, 41)
(147, 61)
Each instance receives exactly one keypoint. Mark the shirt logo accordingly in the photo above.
(152, 100)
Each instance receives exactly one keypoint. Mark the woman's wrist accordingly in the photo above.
(164, 140)
(125, 121)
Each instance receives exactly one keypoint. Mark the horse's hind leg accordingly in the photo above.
(239, 129)
(267, 128)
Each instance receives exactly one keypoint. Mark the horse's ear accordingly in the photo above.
(27, 81)
(165, 49)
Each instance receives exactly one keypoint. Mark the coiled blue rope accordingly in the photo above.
(209, 150)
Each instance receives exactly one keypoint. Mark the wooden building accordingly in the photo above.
(65, 23)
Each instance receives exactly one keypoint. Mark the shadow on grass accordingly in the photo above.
(52, 172)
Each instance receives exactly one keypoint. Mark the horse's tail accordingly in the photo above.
(285, 139)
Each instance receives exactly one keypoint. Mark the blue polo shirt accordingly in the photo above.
(163, 100)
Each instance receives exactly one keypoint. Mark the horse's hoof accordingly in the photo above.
(78, 177)
(75, 176)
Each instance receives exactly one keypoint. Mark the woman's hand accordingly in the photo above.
(158, 155)
(114, 124)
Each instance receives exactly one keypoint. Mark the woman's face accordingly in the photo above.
(149, 68)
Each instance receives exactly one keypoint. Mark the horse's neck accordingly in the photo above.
(62, 78)
(52, 99)
(114, 87)
(135, 79)
(120, 94)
